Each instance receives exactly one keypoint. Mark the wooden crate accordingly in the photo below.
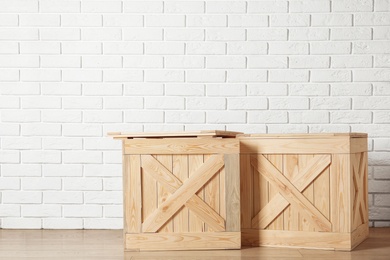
(305, 191)
(181, 190)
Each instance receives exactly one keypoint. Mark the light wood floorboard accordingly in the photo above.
(108, 245)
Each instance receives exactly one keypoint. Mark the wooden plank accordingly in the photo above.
(322, 193)
(211, 192)
(358, 145)
(202, 133)
(365, 185)
(232, 181)
(290, 193)
(183, 241)
(305, 224)
(195, 223)
(222, 192)
(202, 210)
(183, 194)
(149, 191)
(359, 235)
(294, 146)
(246, 183)
(277, 161)
(180, 170)
(181, 146)
(340, 190)
(163, 193)
(304, 136)
(290, 170)
(297, 239)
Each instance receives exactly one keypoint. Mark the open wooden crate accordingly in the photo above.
(306, 191)
(181, 190)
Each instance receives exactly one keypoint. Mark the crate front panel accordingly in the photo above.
(286, 192)
(178, 195)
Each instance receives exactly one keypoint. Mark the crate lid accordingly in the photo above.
(303, 136)
(189, 134)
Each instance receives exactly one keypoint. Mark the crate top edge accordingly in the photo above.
(304, 135)
(186, 134)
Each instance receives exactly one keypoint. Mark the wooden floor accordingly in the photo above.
(107, 244)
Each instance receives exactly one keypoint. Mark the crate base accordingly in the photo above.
(302, 239)
(182, 241)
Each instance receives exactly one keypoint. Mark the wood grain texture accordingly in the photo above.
(247, 197)
(277, 162)
(232, 192)
(212, 196)
(202, 133)
(182, 146)
(196, 224)
(164, 193)
(180, 170)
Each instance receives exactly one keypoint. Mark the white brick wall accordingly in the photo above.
(72, 70)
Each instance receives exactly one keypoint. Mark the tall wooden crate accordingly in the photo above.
(306, 191)
(181, 190)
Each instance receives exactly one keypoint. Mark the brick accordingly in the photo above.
(288, 103)
(352, 6)
(333, 103)
(7, 61)
(381, 144)
(382, 33)
(122, 75)
(267, 62)
(226, 90)
(18, 116)
(355, 89)
(267, 117)
(103, 170)
(123, 48)
(103, 197)
(144, 116)
(34, 183)
(185, 117)
(9, 157)
(225, 7)
(371, 75)
(9, 102)
(38, 102)
(330, 48)
(371, 103)
(101, 143)
(205, 76)
(39, 20)
(19, 34)
(101, 6)
(99, 223)
(81, 130)
(19, 6)
(309, 34)
(316, 6)
(218, 117)
(40, 48)
(60, 61)
(61, 116)
(81, 20)
(40, 75)
(60, 143)
(20, 170)
(380, 47)
(187, 62)
(61, 223)
(9, 48)
(252, 75)
(289, 76)
(351, 61)
(82, 211)
(158, 127)
(61, 170)
(21, 223)
(142, 34)
(112, 184)
(164, 76)
(267, 7)
(290, 20)
(287, 129)
(122, 20)
(225, 34)
(159, 48)
(9, 211)
(9, 129)
(206, 20)
(82, 102)
(350, 34)
(308, 89)
(84, 157)
(113, 211)
(378, 158)
(382, 61)
(381, 88)
(141, 7)
(62, 197)
(102, 62)
(101, 34)
(24, 143)
(351, 117)
(98, 89)
(206, 103)
(225, 62)
(247, 103)
(371, 19)
(332, 20)
(59, 34)
(308, 117)
(288, 48)
(10, 184)
(81, 48)
(123, 102)
(186, 7)
(329, 128)
(81, 75)
(247, 20)
(41, 157)
(9, 20)
(205, 48)
(19, 89)
(330, 76)
(22, 197)
(379, 186)
(381, 117)
(309, 62)
(102, 116)
(165, 20)
(59, 6)
(382, 5)
(179, 34)
(142, 89)
(254, 128)
(267, 34)
(185, 89)
(381, 172)
(83, 184)
(164, 103)
(9, 75)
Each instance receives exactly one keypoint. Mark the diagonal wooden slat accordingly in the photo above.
(290, 193)
(184, 195)
(300, 180)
